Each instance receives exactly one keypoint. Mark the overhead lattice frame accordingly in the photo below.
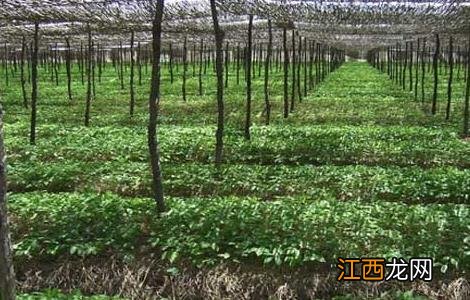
(356, 25)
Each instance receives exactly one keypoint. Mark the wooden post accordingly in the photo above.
(238, 63)
(286, 72)
(248, 78)
(34, 84)
(451, 74)
(7, 274)
(170, 53)
(411, 66)
(435, 70)
(405, 65)
(299, 66)
(185, 67)
(200, 66)
(131, 78)
(219, 39)
(5, 59)
(466, 110)
(266, 72)
(22, 78)
(68, 69)
(417, 70)
(139, 62)
(305, 66)
(154, 101)
(55, 63)
(81, 64)
(294, 62)
(423, 69)
(226, 64)
(88, 74)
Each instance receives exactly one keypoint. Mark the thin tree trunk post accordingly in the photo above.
(68, 69)
(226, 64)
(201, 62)
(34, 84)
(81, 64)
(5, 59)
(299, 66)
(139, 62)
(266, 72)
(305, 66)
(22, 78)
(405, 65)
(451, 74)
(121, 64)
(170, 54)
(7, 274)
(238, 63)
(294, 63)
(411, 66)
(248, 78)
(154, 101)
(286, 72)
(185, 67)
(417, 70)
(423, 70)
(88, 74)
(435, 66)
(466, 110)
(219, 39)
(55, 63)
(131, 78)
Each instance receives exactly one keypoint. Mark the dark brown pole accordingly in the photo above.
(227, 54)
(423, 69)
(88, 74)
(154, 101)
(7, 274)
(131, 78)
(170, 53)
(139, 62)
(185, 67)
(5, 59)
(292, 100)
(68, 69)
(266, 72)
(201, 49)
(417, 70)
(286, 72)
(405, 65)
(219, 39)
(466, 110)
(34, 84)
(411, 66)
(451, 75)
(299, 66)
(55, 63)
(435, 70)
(22, 78)
(248, 78)
(121, 64)
(238, 63)
(81, 64)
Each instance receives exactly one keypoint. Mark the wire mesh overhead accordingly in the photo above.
(346, 24)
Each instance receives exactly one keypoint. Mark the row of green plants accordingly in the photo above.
(57, 295)
(371, 145)
(53, 294)
(407, 184)
(356, 95)
(292, 231)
